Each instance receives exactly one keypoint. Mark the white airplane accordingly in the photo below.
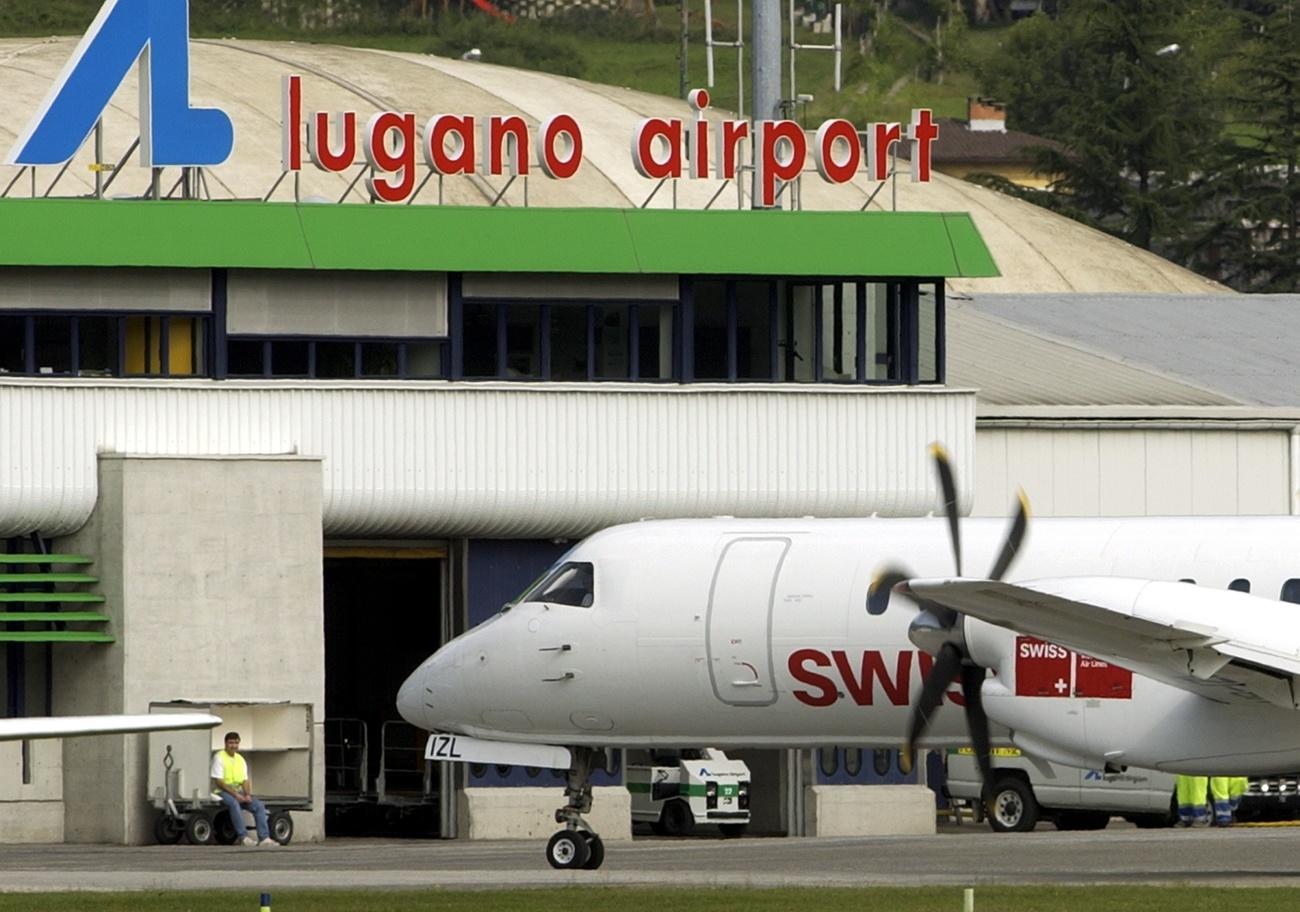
(780, 633)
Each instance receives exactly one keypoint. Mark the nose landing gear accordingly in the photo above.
(577, 845)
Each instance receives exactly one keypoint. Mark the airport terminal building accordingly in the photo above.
(279, 445)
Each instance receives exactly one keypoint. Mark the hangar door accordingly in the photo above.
(740, 620)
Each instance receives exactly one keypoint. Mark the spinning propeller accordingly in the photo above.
(938, 630)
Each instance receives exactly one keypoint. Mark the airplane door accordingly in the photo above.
(739, 635)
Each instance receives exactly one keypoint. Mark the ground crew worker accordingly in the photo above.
(1237, 786)
(1190, 792)
(1222, 804)
(231, 784)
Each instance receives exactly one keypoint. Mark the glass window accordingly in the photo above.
(336, 360)
(753, 331)
(13, 345)
(523, 341)
(570, 584)
(186, 345)
(1239, 585)
(423, 359)
(710, 335)
(1291, 591)
(654, 341)
(53, 345)
(379, 359)
(243, 357)
(143, 345)
(289, 358)
(839, 318)
(610, 329)
(880, 329)
(480, 340)
(568, 342)
(853, 761)
(97, 346)
(795, 334)
(828, 761)
(881, 759)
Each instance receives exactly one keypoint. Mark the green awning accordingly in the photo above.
(202, 234)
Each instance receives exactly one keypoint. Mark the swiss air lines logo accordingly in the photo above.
(1047, 670)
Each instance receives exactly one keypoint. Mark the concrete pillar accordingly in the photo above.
(212, 571)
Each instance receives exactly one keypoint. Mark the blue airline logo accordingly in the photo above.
(157, 33)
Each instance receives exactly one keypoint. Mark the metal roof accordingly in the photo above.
(1036, 250)
(479, 238)
(1240, 346)
(1016, 365)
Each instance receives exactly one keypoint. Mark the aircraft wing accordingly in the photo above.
(1224, 645)
(34, 727)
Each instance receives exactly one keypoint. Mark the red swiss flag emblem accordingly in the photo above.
(1046, 670)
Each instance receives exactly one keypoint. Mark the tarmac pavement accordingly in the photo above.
(967, 855)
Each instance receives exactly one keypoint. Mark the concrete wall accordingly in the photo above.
(212, 572)
(529, 813)
(869, 810)
(1083, 470)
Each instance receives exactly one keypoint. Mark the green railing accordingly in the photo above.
(31, 579)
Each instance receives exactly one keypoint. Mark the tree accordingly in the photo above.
(1251, 235)
(1127, 87)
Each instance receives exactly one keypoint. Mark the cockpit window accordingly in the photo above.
(571, 583)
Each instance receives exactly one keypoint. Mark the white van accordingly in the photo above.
(674, 790)
(1026, 791)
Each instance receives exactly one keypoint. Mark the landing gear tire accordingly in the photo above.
(676, 818)
(568, 850)
(281, 826)
(732, 830)
(595, 851)
(198, 829)
(168, 830)
(1012, 807)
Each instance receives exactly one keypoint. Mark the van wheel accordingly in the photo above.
(1082, 820)
(1012, 808)
(677, 819)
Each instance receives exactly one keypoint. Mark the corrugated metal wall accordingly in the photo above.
(498, 460)
(1136, 471)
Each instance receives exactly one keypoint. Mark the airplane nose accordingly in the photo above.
(431, 697)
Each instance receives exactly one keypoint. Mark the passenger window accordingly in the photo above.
(570, 584)
(1291, 591)
(1192, 581)
(1239, 585)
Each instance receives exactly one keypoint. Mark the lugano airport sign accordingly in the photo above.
(174, 133)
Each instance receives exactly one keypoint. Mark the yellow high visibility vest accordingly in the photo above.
(233, 769)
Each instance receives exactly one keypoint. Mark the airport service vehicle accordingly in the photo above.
(674, 790)
(805, 632)
(1026, 790)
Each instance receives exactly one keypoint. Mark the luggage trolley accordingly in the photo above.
(276, 739)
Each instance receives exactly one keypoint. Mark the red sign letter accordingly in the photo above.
(399, 160)
(460, 160)
(798, 659)
(773, 167)
(548, 140)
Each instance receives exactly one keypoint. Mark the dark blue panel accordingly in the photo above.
(499, 569)
(864, 766)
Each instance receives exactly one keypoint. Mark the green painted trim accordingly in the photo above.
(45, 559)
(14, 617)
(638, 788)
(52, 597)
(38, 578)
(196, 234)
(55, 636)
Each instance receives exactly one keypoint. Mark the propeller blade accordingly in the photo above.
(1015, 538)
(949, 486)
(884, 583)
(946, 665)
(972, 682)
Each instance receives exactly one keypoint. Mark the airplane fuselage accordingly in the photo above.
(756, 633)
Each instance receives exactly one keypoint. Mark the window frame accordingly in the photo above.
(204, 321)
(268, 365)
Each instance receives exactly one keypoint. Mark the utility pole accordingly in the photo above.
(685, 86)
(766, 39)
